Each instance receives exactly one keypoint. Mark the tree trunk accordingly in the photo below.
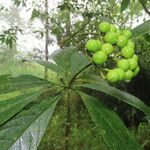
(46, 37)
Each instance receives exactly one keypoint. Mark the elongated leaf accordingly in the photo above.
(10, 107)
(26, 129)
(114, 132)
(120, 95)
(142, 28)
(124, 4)
(9, 83)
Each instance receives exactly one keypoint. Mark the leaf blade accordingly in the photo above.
(15, 129)
(10, 107)
(124, 4)
(142, 28)
(120, 95)
(108, 123)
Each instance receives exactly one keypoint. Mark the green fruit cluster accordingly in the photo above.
(115, 44)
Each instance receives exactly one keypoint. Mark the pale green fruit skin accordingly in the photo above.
(128, 75)
(122, 41)
(99, 57)
(123, 64)
(92, 45)
(104, 27)
(133, 63)
(107, 48)
(99, 44)
(127, 52)
(135, 57)
(118, 32)
(136, 71)
(111, 37)
(131, 43)
(113, 28)
(127, 33)
(120, 73)
(112, 76)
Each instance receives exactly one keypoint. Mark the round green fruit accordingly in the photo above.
(135, 57)
(99, 44)
(131, 43)
(99, 57)
(118, 32)
(122, 41)
(113, 28)
(93, 45)
(123, 64)
(120, 73)
(104, 27)
(107, 48)
(112, 76)
(110, 37)
(128, 75)
(127, 52)
(127, 33)
(133, 63)
(136, 71)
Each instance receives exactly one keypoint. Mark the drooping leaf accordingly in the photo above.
(26, 129)
(142, 28)
(9, 83)
(10, 107)
(124, 4)
(120, 95)
(114, 132)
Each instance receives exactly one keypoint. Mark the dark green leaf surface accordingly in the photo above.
(114, 132)
(124, 4)
(25, 130)
(9, 83)
(142, 28)
(10, 107)
(67, 62)
(120, 95)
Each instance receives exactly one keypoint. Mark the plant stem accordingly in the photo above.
(74, 77)
(68, 125)
(47, 37)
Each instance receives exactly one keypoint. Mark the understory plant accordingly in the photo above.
(24, 117)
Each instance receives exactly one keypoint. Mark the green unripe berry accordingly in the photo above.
(104, 27)
(113, 28)
(107, 48)
(131, 43)
(112, 76)
(120, 73)
(128, 75)
(99, 44)
(99, 57)
(135, 57)
(118, 32)
(122, 41)
(110, 37)
(123, 64)
(136, 71)
(127, 33)
(127, 52)
(133, 63)
(93, 45)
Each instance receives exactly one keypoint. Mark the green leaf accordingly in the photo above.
(124, 4)
(25, 130)
(120, 95)
(114, 132)
(66, 62)
(142, 28)
(10, 107)
(9, 83)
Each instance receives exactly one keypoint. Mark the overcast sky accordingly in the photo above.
(28, 41)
